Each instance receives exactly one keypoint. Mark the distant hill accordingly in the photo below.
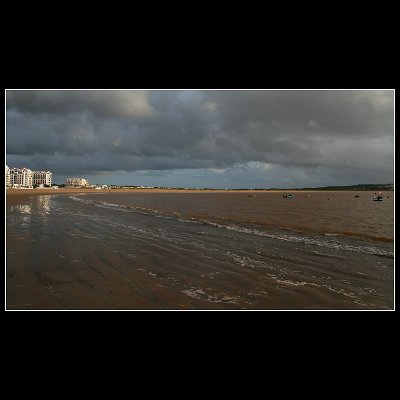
(372, 186)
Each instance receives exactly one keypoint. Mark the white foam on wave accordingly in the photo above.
(293, 283)
(200, 294)
(311, 241)
(356, 299)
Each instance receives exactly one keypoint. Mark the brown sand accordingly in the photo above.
(13, 193)
(20, 196)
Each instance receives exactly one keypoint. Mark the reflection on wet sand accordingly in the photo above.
(43, 204)
(39, 206)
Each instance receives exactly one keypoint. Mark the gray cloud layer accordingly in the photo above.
(90, 131)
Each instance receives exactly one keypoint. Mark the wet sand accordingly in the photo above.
(107, 252)
(21, 193)
(18, 196)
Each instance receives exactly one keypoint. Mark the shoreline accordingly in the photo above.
(18, 196)
(31, 192)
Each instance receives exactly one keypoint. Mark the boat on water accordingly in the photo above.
(288, 196)
(378, 197)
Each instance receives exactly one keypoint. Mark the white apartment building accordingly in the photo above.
(21, 177)
(76, 182)
(42, 178)
(8, 180)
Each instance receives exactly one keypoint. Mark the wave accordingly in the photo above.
(319, 241)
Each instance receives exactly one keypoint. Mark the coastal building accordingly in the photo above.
(21, 177)
(42, 178)
(8, 181)
(76, 182)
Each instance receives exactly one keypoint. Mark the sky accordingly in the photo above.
(204, 138)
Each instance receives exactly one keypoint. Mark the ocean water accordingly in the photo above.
(202, 250)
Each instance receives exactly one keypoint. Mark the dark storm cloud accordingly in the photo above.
(88, 131)
(104, 103)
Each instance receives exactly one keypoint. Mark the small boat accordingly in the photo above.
(288, 196)
(378, 198)
(251, 195)
(356, 195)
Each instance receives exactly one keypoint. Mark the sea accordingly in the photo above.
(201, 250)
